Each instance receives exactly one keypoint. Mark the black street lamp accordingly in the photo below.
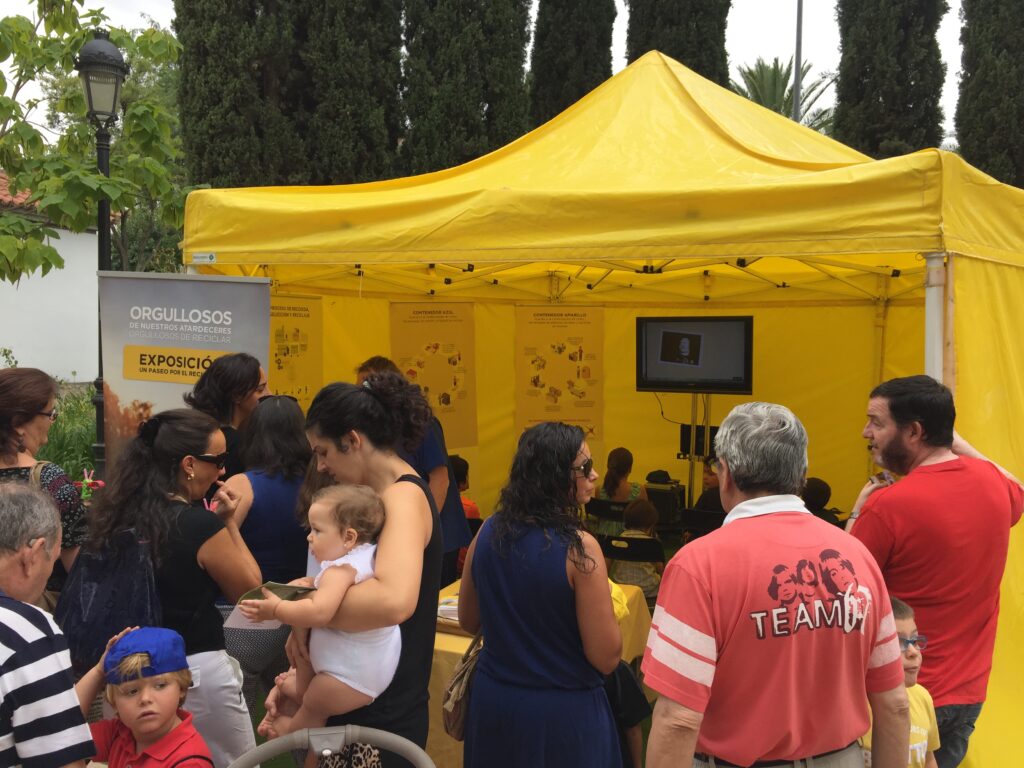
(102, 69)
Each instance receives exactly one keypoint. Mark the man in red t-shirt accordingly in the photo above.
(940, 536)
(773, 635)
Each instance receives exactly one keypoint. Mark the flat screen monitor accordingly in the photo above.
(705, 355)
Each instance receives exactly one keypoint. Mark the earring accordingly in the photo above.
(191, 477)
(20, 447)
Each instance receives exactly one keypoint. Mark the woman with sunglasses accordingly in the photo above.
(157, 488)
(276, 454)
(229, 391)
(535, 584)
(28, 399)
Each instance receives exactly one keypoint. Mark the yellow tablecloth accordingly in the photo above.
(448, 649)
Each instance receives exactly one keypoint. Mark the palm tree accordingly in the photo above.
(771, 86)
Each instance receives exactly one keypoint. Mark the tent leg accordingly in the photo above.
(934, 314)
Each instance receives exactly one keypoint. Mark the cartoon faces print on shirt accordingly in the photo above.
(816, 593)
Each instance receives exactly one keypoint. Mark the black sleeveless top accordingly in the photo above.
(402, 707)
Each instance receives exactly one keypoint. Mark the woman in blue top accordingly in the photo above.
(276, 452)
(536, 585)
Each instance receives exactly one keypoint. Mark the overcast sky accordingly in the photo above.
(765, 28)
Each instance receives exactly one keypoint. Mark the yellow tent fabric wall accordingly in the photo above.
(990, 408)
(819, 361)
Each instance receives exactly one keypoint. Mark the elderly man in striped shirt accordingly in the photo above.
(41, 724)
(773, 635)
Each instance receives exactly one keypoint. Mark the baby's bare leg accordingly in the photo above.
(324, 697)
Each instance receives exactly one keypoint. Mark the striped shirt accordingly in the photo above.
(766, 624)
(41, 725)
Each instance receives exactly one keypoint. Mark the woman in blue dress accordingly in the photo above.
(537, 587)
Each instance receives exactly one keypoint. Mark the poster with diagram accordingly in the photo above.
(559, 367)
(433, 346)
(296, 347)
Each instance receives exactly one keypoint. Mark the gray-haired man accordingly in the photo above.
(759, 620)
(41, 724)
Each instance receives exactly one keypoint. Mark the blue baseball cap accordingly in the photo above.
(165, 647)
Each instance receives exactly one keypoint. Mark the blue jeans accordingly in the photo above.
(956, 724)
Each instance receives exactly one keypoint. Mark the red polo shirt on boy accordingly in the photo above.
(115, 746)
(776, 627)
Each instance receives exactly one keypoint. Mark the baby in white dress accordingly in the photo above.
(347, 670)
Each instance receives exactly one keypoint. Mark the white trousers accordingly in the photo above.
(218, 709)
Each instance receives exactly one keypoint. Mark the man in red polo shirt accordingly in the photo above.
(774, 634)
(940, 536)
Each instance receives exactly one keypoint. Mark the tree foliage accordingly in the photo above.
(571, 53)
(506, 28)
(352, 80)
(890, 75)
(771, 86)
(290, 91)
(444, 93)
(990, 111)
(690, 31)
(61, 175)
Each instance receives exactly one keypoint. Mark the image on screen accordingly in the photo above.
(694, 354)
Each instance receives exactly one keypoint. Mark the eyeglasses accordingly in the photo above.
(51, 415)
(585, 468)
(219, 459)
(918, 641)
(269, 397)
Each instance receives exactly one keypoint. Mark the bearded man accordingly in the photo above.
(940, 536)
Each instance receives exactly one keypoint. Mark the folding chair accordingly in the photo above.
(329, 741)
(667, 498)
(608, 513)
(632, 550)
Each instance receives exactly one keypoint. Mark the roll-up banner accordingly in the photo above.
(160, 332)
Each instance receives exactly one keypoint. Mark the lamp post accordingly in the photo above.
(102, 69)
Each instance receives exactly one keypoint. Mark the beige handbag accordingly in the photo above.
(455, 702)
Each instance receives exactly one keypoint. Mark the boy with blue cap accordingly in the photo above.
(147, 678)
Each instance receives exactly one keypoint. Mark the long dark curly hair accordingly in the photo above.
(145, 475)
(387, 409)
(541, 490)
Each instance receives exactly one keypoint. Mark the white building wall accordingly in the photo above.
(50, 322)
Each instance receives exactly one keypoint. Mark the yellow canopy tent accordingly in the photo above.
(661, 193)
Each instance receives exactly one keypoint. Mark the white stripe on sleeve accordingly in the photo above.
(684, 635)
(884, 653)
(679, 661)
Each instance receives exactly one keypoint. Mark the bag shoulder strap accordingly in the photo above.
(477, 639)
(35, 477)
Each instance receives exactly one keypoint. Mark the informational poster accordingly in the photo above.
(559, 367)
(433, 345)
(160, 332)
(296, 347)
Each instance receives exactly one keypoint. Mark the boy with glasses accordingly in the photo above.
(924, 732)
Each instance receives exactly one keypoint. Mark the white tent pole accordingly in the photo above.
(934, 313)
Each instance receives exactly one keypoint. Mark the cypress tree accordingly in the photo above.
(572, 53)
(352, 92)
(506, 28)
(890, 75)
(236, 91)
(990, 112)
(690, 31)
(219, 108)
(444, 94)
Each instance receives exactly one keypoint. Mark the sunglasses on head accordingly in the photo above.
(585, 468)
(219, 459)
